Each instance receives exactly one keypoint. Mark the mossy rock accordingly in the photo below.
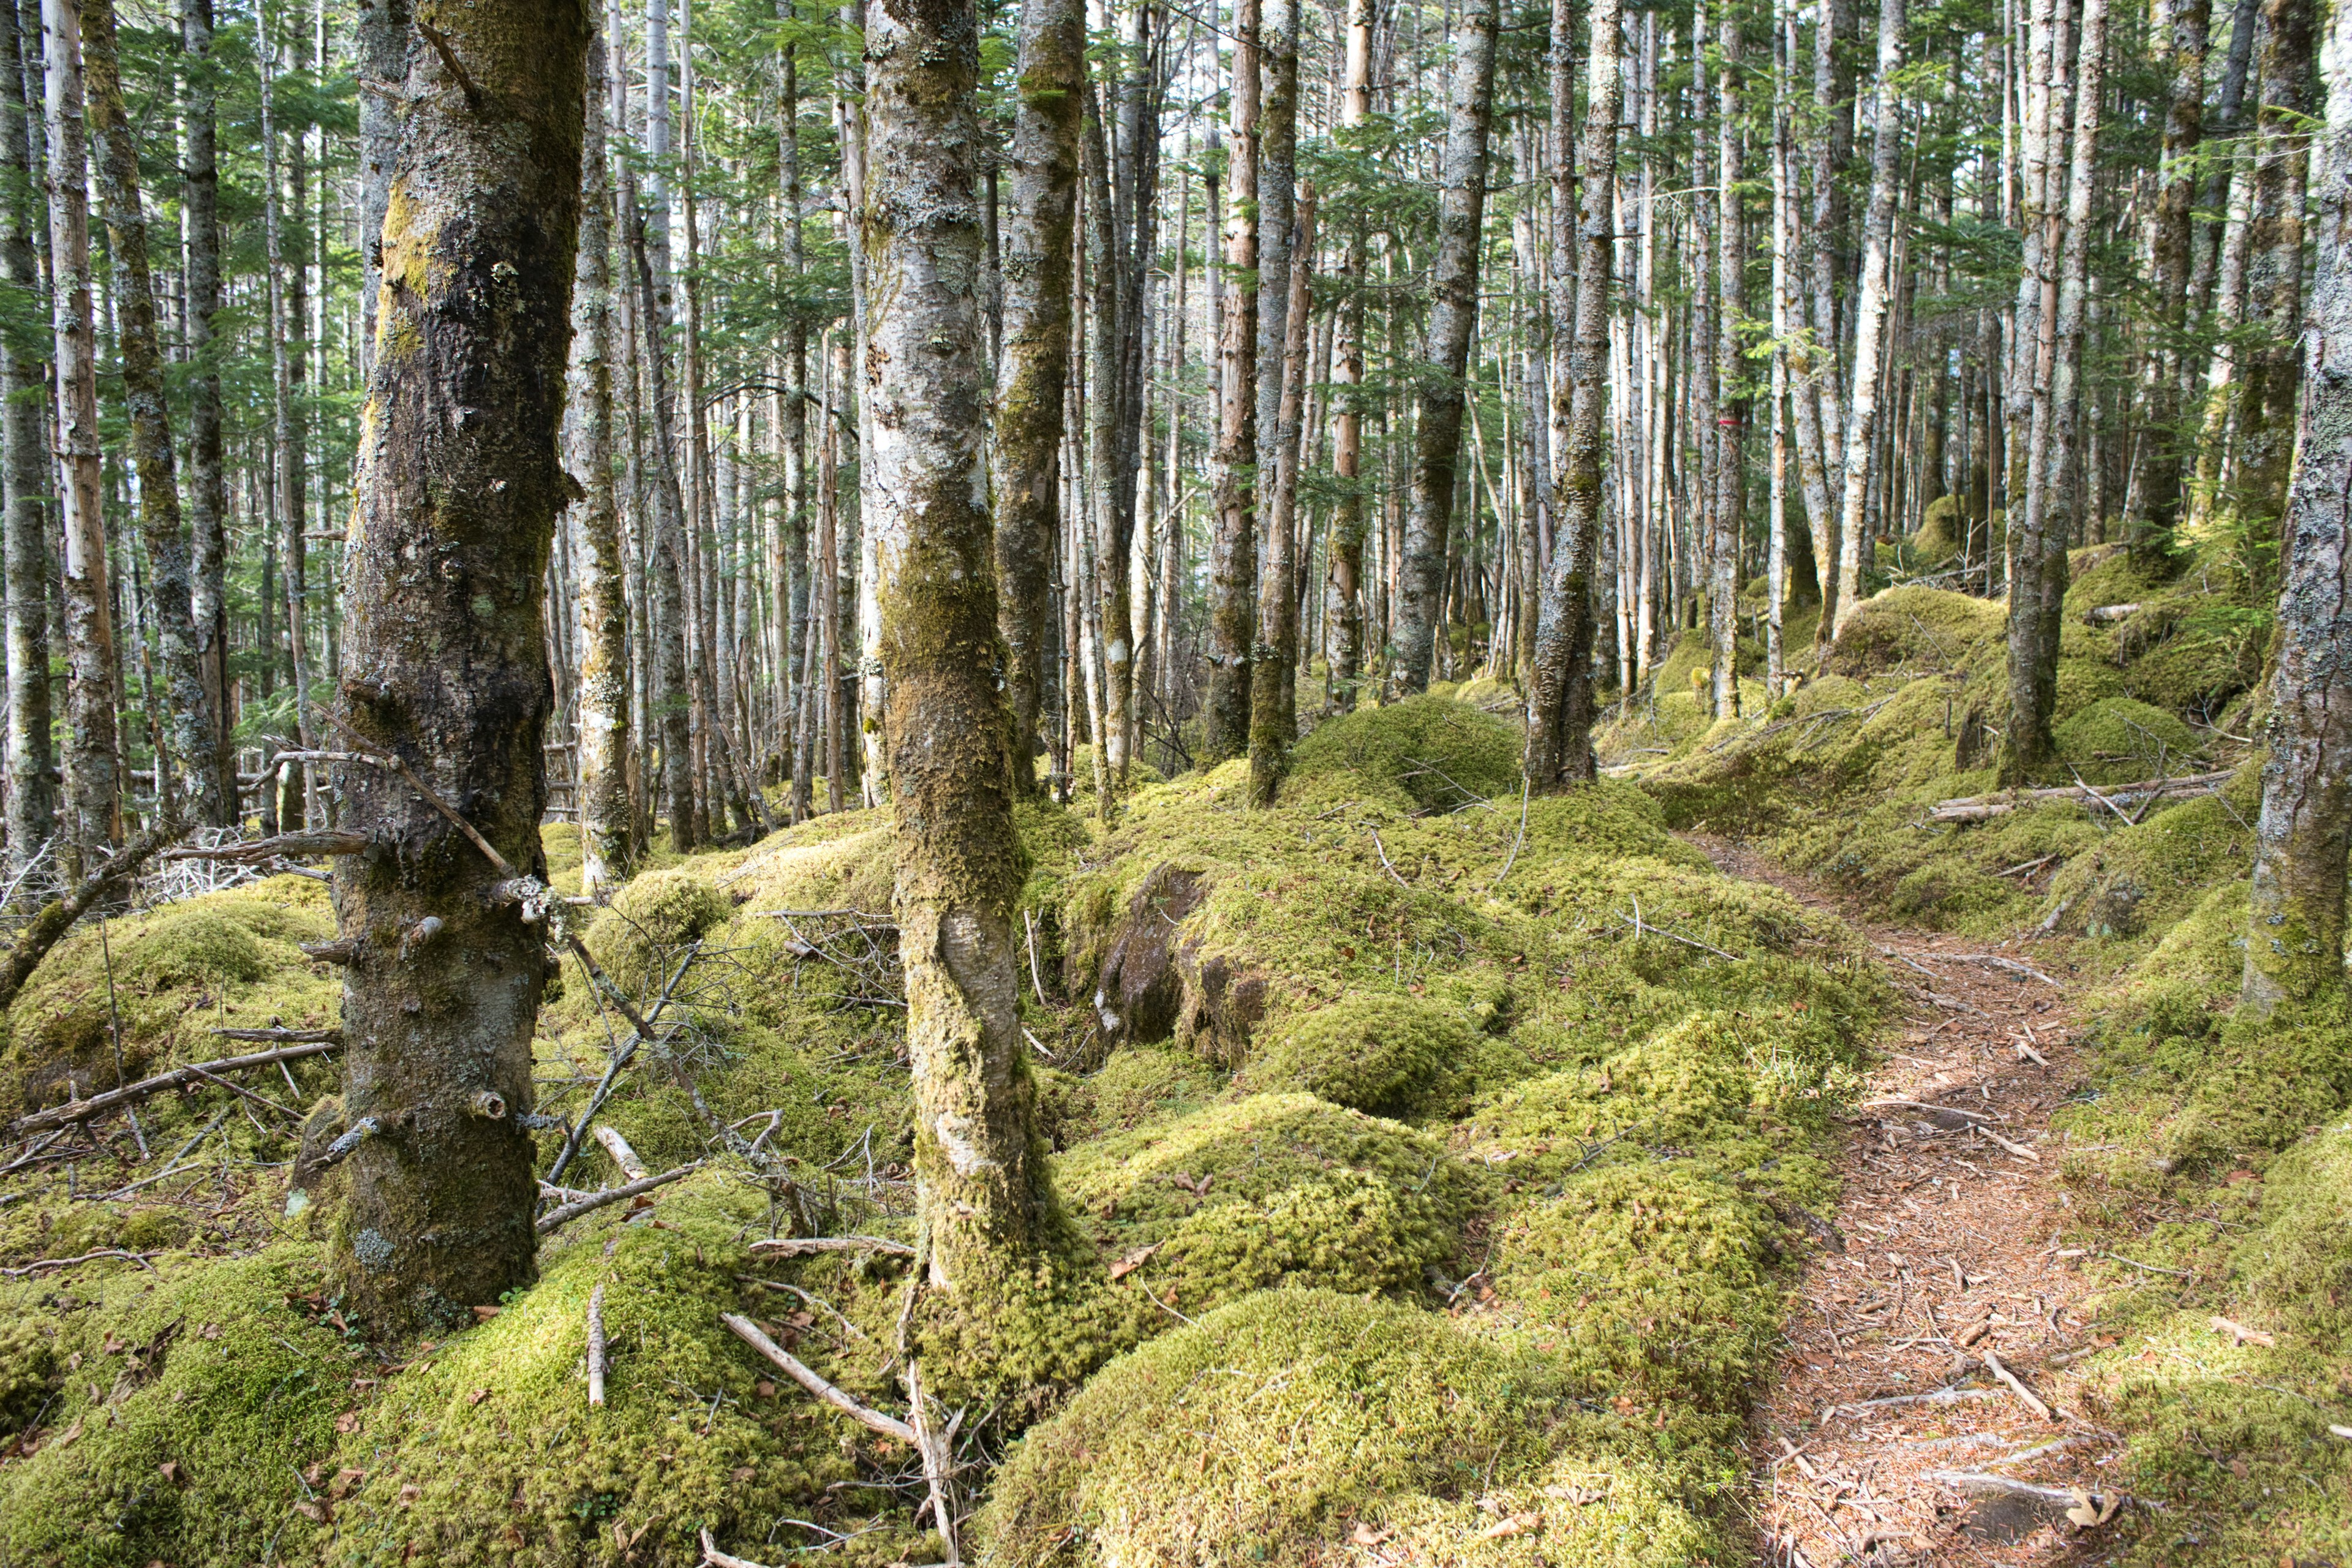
(1260, 1433)
(169, 975)
(203, 1393)
(1383, 1054)
(2119, 740)
(1142, 1083)
(1939, 539)
(1442, 754)
(1277, 1189)
(1650, 1277)
(459, 1455)
(2299, 1262)
(1921, 628)
(638, 940)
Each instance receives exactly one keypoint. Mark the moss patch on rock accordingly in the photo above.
(1388, 1056)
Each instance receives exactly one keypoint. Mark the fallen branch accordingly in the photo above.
(289, 1037)
(2020, 1150)
(717, 1559)
(803, 1245)
(39, 1264)
(2244, 1335)
(596, 1347)
(1982, 807)
(57, 917)
(316, 841)
(643, 1036)
(2017, 1386)
(890, 1426)
(98, 1104)
(1995, 961)
(1978, 1482)
(1639, 925)
(1392, 870)
(1940, 1397)
(554, 1217)
(624, 1158)
(1971, 1117)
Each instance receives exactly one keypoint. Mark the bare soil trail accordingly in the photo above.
(1921, 1412)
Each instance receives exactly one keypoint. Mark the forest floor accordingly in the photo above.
(1888, 1432)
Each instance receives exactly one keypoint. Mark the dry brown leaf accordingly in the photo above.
(348, 1422)
(316, 1512)
(1133, 1261)
(1514, 1524)
(1365, 1535)
(345, 1480)
(2244, 1335)
(2090, 1512)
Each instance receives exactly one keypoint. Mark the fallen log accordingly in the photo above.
(99, 1104)
(1984, 807)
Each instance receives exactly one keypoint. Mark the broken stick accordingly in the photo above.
(889, 1426)
(596, 1346)
(571, 1211)
(99, 1104)
(2017, 1386)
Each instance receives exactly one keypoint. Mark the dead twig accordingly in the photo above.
(783, 1360)
(2016, 1385)
(556, 1217)
(1641, 926)
(803, 1245)
(596, 1347)
(39, 1264)
(98, 1104)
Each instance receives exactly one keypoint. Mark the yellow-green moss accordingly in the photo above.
(2119, 740)
(1922, 628)
(192, 1408)
(638, 939)
(1386, 1054)
(1141, 1083)
(1442, 752)
(1271, 1190)
(1647, 1279)
(1259, 1434)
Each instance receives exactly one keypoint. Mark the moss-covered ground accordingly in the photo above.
(1431, 1162)
(2214, 1151)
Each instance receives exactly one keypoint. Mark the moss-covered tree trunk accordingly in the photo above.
(207, 493)
(93, 804)
(607, 817)
(1437, 377)
(979, 1165)
(2179, 30)
(460, 489)
(1559, 675)
(2274, 260)
(1233, 540)
(2295, 948)
(25, 466)
(188, 722)
(1887, 142)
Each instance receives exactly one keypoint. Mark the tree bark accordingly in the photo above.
(1035, 364)
(93, 804)
(188, 722)
(462, 470)
(1727, 515)
(1560, 708)
(32, 796)
(1870, 315)
(2266, 400)
(607, 818)
(1437, 378)
(1274, 680)
(2152, 498)
(980, 1164)
(2294, 945)
(1105, 518)
(1233, 546)
(207, 487)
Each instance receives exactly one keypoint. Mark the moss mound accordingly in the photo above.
(2120, 740)
(457, 1454)
(1259, 1433)
(224, 960)
(1939, 539)
(198, 1413)
(2299, 1263)
(1277, 1189)
(1651, 1278)
(1921, 628)
(1381, 1054)
(1442, 754)
(636, 940)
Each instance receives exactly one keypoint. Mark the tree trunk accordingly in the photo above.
(2152, 495)
(1105, 519)
(1870, 314)
(1350, 524)
(93, 802)
(2266, 400)
(207, 487)
(607, 819)
(1559, 680)
(442, 992)
(32, 796)
(979, 1162)
(1232, 547)
(1274, 680)
(188, 721)
(1728, 513)
(1035, 363)
(1452, 313)
(2294, 946)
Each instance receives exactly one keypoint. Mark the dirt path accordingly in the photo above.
(1889, 1436)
